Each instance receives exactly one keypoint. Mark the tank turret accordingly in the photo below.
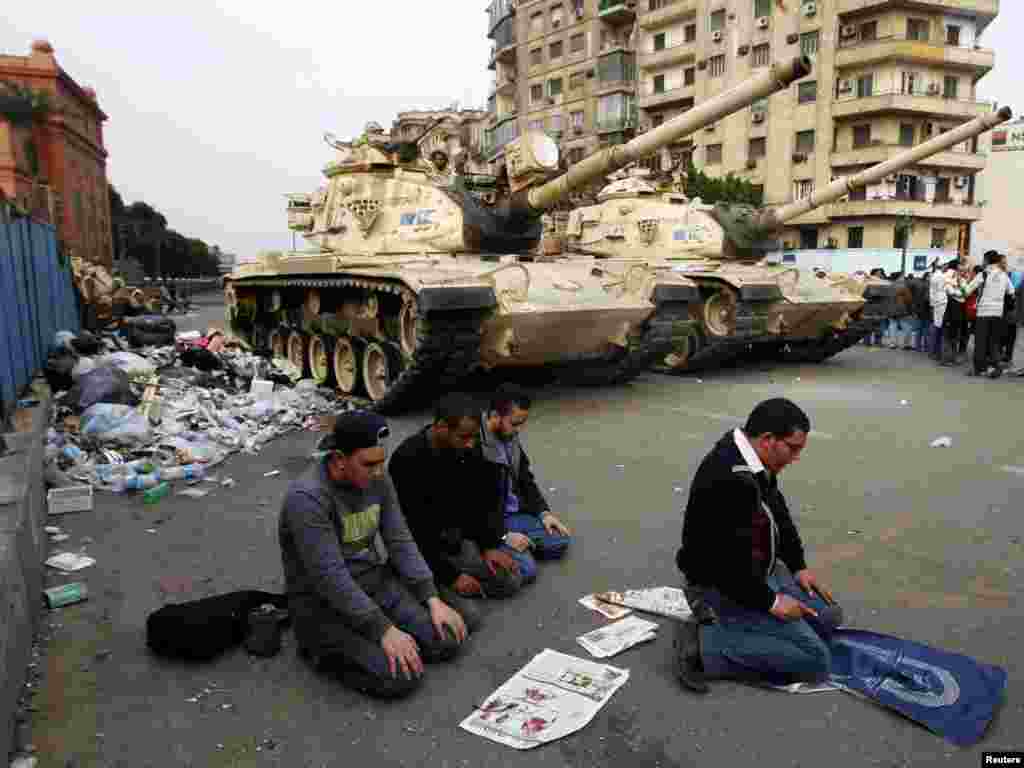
(748, 306)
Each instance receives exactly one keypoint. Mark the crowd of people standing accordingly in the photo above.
(952, 304)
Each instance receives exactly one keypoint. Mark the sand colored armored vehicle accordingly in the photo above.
(418, 276)
(747, 307)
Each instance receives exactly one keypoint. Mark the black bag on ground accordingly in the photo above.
(150, 331)
(59, 364)
(203, 359)
(86, 343)
(200, 630)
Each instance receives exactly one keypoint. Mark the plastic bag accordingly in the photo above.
(134, 365)
(62, 339)
(82, 367)
(86, 344)
(102, 385)
(112, 423)
(59, 364)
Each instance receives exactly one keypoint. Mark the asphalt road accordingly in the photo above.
(919, 542)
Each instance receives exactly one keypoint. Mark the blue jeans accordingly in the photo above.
(757, 647)
(546, 546)
(922, 335)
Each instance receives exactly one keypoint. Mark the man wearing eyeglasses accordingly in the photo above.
(369, 618)
(760, 614)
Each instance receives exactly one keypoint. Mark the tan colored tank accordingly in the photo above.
(747, 307)
(420, 274)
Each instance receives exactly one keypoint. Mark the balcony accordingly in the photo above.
(681, 53)
(617, 11)
(673, 11)
(934, 105)
(877, 153)
(975, 59)
(615, 123)
(669, 97)
(854, 209)
(497, 12)
(984, 11)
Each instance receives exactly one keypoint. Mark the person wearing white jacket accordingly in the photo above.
(937, 299)
(994, 284)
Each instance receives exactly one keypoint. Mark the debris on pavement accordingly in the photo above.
(616, 637)
(669, 602)
(605, 609)
(942, 442)
(66, 594)
(24, 761)
(272, 473)
(69, 562)
(553, 696)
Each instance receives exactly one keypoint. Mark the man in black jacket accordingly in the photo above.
(445, 491)
(760, 613)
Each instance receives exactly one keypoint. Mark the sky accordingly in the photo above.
(217, 107)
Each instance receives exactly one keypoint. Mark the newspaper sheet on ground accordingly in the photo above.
(663, 601)
(616, 637)
(552, 696)
(605, 609)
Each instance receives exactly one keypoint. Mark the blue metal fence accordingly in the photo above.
(37, 299)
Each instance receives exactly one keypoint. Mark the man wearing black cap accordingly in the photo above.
(368, 619)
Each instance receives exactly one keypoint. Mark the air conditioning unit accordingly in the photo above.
(556, 23)
(848, 30)
(751, 164)
(845, 86)
(809, 9)
(762, 22)
(892, 178)
(799, 157)
(717, 36)
(960, 181)
(933, 88)
(758, 117)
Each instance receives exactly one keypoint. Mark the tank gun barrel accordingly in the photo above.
(597, 166)
(772, 218)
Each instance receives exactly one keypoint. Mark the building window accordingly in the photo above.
(689, 76)
(659, 84)
(899, 237)
(758, 148)
(809, 43)
(906, 134)
(555, 87)
(657, 120)
(556, 16)
(939, 237)
(861, 135)
(716, 65)
(950, 87)
(690, 33)
(761, 55)
(577, 44)
(713, 154)
(659, 41)
(536, 57)
(577, 120)
(575, 155)
(762, 8)
(555, 50)
(807, 92)
(535, 125)
(808, 235)
(536, 93)
(869, 30)
(556, 123)
(942, 190)
(614, 67)
(805, 142)
(716, 21)
(952, 35)
(576, 80)
(803, 188)
(917, 29)
(910, 83)
(859, 193)
(761, 105)
(865, 86)
(855, 237)
(537, 23)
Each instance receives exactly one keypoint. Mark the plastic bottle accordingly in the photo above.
(153, 495)
(186, 472)
(72, 452)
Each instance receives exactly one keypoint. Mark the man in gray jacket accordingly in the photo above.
(368, 618)
(994, 284)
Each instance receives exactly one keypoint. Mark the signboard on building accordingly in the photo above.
(1008, 138)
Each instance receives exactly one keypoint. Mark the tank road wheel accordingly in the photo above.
(297, 350)
(320, 367)
(407, 325)
(278, 344)
(346, 364)
(720, 314)
(376, 370)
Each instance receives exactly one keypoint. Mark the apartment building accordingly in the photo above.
(999, 186)
(566, 67)
(445, 129)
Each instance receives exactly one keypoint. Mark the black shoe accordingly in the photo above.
(264, 638)
(688, 667)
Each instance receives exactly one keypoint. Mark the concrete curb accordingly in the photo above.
(22, 550)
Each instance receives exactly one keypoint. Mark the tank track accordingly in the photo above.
(447, 348)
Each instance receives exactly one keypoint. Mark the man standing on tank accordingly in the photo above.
(760, 614)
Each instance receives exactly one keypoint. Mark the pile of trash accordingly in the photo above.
(130, 418)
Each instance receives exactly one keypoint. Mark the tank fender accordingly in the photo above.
(671, 292)
(432, 299)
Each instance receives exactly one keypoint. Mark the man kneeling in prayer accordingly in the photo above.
(371, 621)
(759, 614)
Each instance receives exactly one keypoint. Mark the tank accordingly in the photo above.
(747, 307)
(419, 274)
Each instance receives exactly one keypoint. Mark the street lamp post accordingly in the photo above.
(905, 225)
